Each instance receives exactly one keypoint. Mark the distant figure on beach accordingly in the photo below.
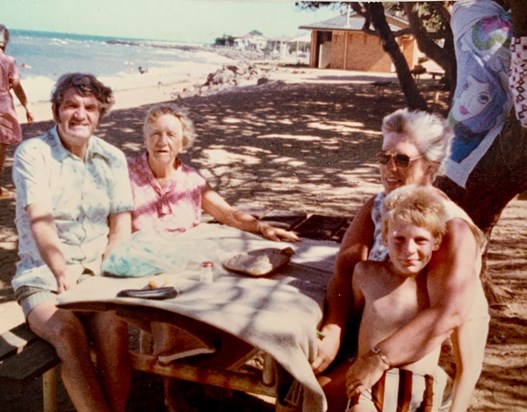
(73, 203)
(130, 65)
(142, 69)
(388, 294)
(10, 131)
(169, 195)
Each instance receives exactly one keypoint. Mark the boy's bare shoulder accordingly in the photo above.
(370, 264)
(364, 269)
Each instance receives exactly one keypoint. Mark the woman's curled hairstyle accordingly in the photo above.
(428, 131)
(179, 113)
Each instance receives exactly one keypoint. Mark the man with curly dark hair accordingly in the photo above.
(73, 203)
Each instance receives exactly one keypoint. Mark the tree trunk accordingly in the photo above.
(443, 56)
(390, 46)
(499, 176)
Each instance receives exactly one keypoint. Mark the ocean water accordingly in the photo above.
(43, 56)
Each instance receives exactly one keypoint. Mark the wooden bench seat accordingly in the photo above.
(436, 74)
(380, 85)
(417, 71)
(25, 357)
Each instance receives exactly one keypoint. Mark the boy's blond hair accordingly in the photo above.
(416, 205)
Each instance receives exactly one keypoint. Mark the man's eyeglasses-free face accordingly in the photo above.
(400, 159)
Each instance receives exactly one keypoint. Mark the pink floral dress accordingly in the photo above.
(173, 207)
(10, 132)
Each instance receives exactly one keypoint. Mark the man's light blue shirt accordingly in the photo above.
(81, 196)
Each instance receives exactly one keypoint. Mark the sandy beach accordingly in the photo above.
(303, 140)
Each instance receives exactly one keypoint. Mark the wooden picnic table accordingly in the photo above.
(277, 315)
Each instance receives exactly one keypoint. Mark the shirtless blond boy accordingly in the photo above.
(390, 293)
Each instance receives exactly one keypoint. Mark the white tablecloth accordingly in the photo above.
(278, 314)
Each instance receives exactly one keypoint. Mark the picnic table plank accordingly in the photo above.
(208, 376)
(230, 350)
(321, 227)
(284, 219)
(339, 234)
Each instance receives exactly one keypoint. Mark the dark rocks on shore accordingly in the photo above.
(227, 77)
(229, 52)
(262, 80)
(160, 45)
(251, 66)
(234, 53)
(232, 74)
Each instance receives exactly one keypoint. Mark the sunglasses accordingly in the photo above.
(400, 159)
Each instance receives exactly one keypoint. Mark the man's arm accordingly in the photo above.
(120, 230)
(48, 242)
(354, 248)
(452, 283)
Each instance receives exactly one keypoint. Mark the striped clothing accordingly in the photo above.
(401, 390)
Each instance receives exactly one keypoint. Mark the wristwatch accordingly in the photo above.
(377, 351)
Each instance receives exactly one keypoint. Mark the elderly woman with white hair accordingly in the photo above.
(169, 195)
(415, 145)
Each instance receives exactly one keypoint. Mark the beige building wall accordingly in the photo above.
(313, 49)
(410, 50)
(325, 53)
(352, 50)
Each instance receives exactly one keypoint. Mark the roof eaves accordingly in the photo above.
(354, 23)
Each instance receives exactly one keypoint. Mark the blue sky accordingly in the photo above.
(179, 20)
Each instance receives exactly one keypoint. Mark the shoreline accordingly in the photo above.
(155, 83)
(136, 90)
(124, 99)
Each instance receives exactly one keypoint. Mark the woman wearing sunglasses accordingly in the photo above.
(415, 145)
